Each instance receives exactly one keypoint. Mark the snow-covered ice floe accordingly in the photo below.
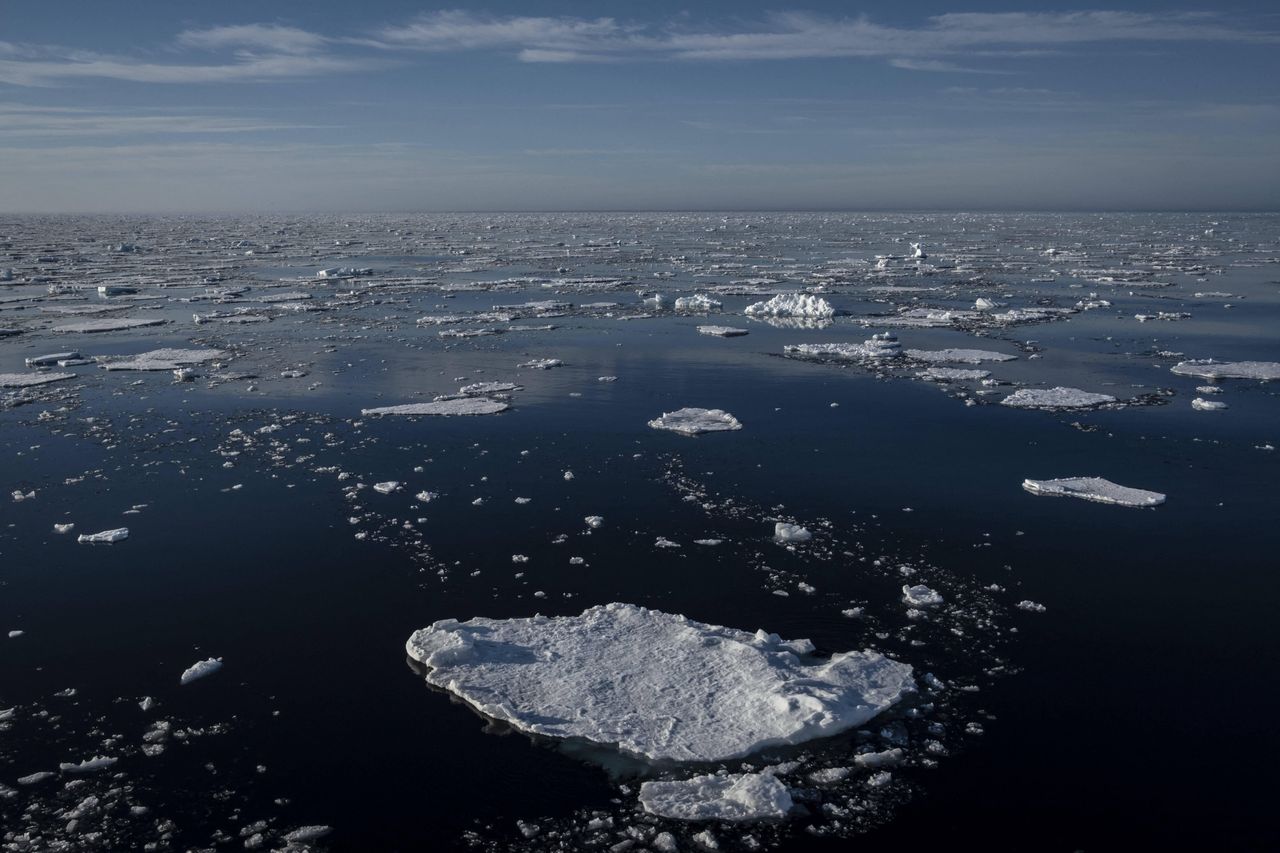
(734, 796)
(1055, 398)
(952, 374)
(655, 685)
(722, 331)
(108, 536)
(27, 380)
(160, 359)
(698, 303)
(1200, 404)
(876, 348)
(958, 356)
(792, 305)
(1094, 489)
(107, 325)
(1210, 369)
(694, 421)
(460, 406)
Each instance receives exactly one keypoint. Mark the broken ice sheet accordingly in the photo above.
(1094, 489)
(1056, 398)
(655, 685)
(732, 797)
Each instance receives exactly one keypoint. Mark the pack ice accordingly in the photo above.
(1094, 489)
(694, 421)
(735, 796)
(655, 685)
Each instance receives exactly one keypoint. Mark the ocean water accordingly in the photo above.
(1134, 710)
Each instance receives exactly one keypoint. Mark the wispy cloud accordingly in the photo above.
(272, 38)
(27, 121)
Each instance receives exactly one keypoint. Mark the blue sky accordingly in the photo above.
(391, 105)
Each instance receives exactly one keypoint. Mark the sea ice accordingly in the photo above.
(656, 685)
(116, 325)
(160, 359)
(1210, 369)
(119, 534)
(723, 331)
(921, 596)
(792, 305)
(958, 356)
(734, 797)
(693, 421)
(27, 380)
(1055, 398)
(784, 532)
(698, 303)
(200, 670)
(461, 406)
(1200, 404)
(91, 765)
(952, 374)
(1094, 489)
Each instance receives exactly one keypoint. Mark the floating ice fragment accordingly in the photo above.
(1210, 369)
(108, 536)
(36, 778)
(785, 532)
(732, 797)
(1200, 404)
(426, 497)
(792, 305)
(386, 488)
(27, 380)
(656, 685)
(921, 596)
(694, 421)
(200, 670)
(541, 363)
(1055, 398)
(722, 331)
(700, 303)
(1094, 489)
(1031, 606)
(958, 356)
(107, 325)
(594, 521)
(461, 406)
(91, 765)
(303, 834)
(160, 359)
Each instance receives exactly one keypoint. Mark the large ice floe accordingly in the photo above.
(27, 380)
(694, 421)
(792, 305)
(1210, 369)
(160, 359)
(655, 685)
(734, 797)
(456, 406)
(118, 325)
(1094, 489)
(1056, 398)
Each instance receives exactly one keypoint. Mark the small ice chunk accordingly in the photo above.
(695, 421)
(461, 406)
(1055, 398)
(1200, 404)
(304, 834)
(722, 331)
(594, 521)
(541, 363)
(36, 778)
(786, 532)
(117, 535)
(91, 765)
(386, 488)
(732, 797)
(921, 596)
(1094, 489)
(64, 528)
(200, 670)
(698, 303)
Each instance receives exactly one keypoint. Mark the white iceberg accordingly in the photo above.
(792, 305)
(735, 797)
(653, 684)
(461, 406)
(1055, 398)
(1210, 369)
(1094, 489)
(694, 421)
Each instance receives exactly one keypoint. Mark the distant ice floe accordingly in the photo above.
(28, 380)
(119, 534)
(952, 374)
(921, 596)
(458, 406)
(722, 331)
(200, 669)
(541, 363)
(876, 348)
(160, 359)
(732, 797)
(698, 304)
(655, 685)
(1210, 369)
(1056, 398)
(117, 325)
(786, 532)
(958, 356)
(482, 388)
(695, 421)
(1200, 404)
(1094, 489)
(792, 305)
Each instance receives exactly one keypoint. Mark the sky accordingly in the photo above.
(387, 105)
